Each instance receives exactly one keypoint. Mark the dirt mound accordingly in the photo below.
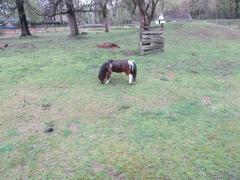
(108, 45)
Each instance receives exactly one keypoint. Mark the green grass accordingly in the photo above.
(180, 120)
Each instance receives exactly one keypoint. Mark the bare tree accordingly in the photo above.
(101, 7)
(72, 18)
(22, 18)
(68, 9)
(8, 8)
(147, 11)
(104, 11)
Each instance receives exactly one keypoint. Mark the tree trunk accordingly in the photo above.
(22, 18)
(145, 23)
(237, 9)
(105, 19)
(61, 18)
(72, 18)
(153, 8)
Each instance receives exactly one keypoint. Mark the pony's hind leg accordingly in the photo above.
(130, 78)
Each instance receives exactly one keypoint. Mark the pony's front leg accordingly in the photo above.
(107, 81)
(108, 78)
(130, 78)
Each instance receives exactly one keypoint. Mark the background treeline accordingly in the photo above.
(208, 9)
(110, 12)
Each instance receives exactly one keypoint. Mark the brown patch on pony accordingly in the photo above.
(108, 45)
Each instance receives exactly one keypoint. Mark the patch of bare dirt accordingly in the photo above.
(206, 101)
(217, 32)
(74, 127)
(150, 103)
(170, 75)
(210, 32)
(32, 127)
(97, 167)
(111, 172)
(224, 175)
(93, 66)
(108, 45)
(224, 68)
(24, 46)
(3, 45)
(26, 109)
(129, 53)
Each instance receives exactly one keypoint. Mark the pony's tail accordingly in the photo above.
(134, 71)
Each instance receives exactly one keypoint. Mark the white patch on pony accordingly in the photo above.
(131, 65)
(110, 66)
(130, 78)
(107, 81)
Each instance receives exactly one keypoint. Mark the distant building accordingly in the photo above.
(9, 20)
(9, 23)
(176, 15)
(160, 19)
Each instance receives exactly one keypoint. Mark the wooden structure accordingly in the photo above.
(151, 40)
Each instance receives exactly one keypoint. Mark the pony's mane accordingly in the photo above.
(102, 72)
(110, 61)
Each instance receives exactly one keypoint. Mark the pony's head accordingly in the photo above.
(104, 70)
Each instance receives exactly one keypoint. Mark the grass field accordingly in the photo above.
(180, 120)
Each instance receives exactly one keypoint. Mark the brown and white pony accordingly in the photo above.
(118, 66)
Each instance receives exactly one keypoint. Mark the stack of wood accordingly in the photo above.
(151, 40)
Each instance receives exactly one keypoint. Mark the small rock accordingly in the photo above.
(49, 130)
(193, 71)
(164, 78)
(46, 106)
(123, 107)
(84, 33)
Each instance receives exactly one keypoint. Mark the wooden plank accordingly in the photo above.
(157, 40)
(147, 44)
(152, 51)
(144, 36)
(151, 47)
(152, 32)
